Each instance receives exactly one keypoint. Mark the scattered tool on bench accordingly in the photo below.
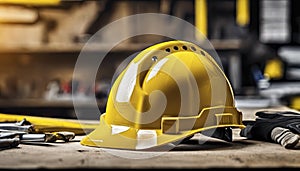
(46, 124)
(13, 134)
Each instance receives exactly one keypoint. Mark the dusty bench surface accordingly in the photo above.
(199, 152)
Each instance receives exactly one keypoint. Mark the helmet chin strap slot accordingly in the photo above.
(209, 118)
(224, 118)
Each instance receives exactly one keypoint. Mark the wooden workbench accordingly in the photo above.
(201, 153)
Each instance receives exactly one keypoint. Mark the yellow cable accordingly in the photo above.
(242, 16)
(201, 18)
(46, 124)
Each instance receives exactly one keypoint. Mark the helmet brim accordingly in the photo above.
(104, 136)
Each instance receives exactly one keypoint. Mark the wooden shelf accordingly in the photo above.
(98, 47)
(75, 48)
(231, 44)
(42, 103)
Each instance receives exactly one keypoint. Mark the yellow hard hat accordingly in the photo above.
(168, 92)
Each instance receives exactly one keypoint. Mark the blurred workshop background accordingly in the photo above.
(256, 40)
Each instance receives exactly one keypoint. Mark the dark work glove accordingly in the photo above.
(266, 121)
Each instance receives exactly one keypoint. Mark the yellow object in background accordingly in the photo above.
(46, 124)
(201, 18)
(31, 2)
(295, 103)
(274, 69)
(17, 14)
(242, 12)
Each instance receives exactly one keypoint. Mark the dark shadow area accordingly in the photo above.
(38, 144)
(195, 145)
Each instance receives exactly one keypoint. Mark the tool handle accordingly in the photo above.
(9, 143)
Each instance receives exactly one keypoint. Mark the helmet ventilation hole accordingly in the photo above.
(193, 48)
(184, 47)
(175, 48)
(202, 53)
(168, 50)
(154, 58)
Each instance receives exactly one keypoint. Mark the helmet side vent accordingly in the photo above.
(193, 48)
(202, 53)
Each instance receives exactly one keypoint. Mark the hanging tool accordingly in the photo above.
(201, 18)
(242, 12)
